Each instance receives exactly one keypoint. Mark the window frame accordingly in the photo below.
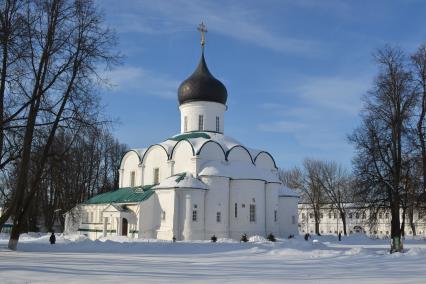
(156, 176)
(252, 213)
(217, 124)
(200, 122)
(194, 216)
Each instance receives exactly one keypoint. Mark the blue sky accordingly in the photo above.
(294, 70)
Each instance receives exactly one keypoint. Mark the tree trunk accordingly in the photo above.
(343, 217)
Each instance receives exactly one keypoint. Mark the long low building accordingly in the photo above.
(357, 221)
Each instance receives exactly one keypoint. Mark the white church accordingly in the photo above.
(195, 184)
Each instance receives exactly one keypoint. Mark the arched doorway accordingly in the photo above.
(124, 227)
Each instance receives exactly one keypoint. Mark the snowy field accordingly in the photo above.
(356, 259)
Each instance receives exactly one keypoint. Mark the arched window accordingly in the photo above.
(200, 122)
(217, 124)
(132, 178)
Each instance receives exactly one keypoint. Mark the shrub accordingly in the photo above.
(244, 238)
(271, 237)
(213, 238)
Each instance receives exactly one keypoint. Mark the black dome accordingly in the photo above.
(202, 86)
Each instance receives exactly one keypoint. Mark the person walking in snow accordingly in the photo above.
(52, 238)
(340, 236)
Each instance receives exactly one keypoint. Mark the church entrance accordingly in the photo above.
(124, 227)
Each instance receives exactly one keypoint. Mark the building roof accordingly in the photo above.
(122, 195)
(182, 180)
(287, 192)
(237, 170)
(202, 86)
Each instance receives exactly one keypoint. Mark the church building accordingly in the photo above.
(195, 184)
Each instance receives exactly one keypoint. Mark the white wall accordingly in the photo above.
(211, 151)
(272, 202)
(239, 153)
(288, 209)
(209, 110)
(182, 158)
(190, 200)
(264, 161)
(155, 157)
(246, 192)
(217, 200)
(129, 163)
(164, 201)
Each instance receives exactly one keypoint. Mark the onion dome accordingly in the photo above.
(202, 86)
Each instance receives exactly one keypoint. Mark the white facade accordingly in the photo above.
(357, 221)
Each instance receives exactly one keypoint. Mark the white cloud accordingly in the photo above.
(138, 81)
(335, 93)
(318, 112)
(233, 20)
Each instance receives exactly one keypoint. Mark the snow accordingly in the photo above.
(237, 170)
(285, 191)
(75, 259)
(187, 181)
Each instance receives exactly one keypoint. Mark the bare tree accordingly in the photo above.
(67, 42)
(337, 185)
(381, 140)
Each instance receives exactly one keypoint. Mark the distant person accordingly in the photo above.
(52, 238)
(340, 236)
(306, 237)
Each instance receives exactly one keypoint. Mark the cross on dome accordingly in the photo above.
(203, 29)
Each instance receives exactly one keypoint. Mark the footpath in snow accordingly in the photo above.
(76, 259)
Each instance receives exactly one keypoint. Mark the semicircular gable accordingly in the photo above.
(178, 143)
(155, 167)
(206, 151)
(150, 148)
(265, 160)
(126, 156)
(237, 153)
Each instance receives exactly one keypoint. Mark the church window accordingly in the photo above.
(357, 215)
(334, 215)
(381, 215)
(185, 124)
(132, 178)
(275, 216)
(194, 215)
(350, 215)
(195, 206)
(364, 216)
(252, 213)
(329, 215)
(387, 215)
(200, 122)
(156, 176)
(293, 219)
(217, 123)
(311, 216)
(236, 210)
(218, 217)
(419, 215)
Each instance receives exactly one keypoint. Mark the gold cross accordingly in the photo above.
(202, 28)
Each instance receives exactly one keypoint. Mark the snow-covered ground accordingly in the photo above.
(75, 259)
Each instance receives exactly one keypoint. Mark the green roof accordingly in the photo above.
(180, 177)
(123, 195)
(189, 136)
